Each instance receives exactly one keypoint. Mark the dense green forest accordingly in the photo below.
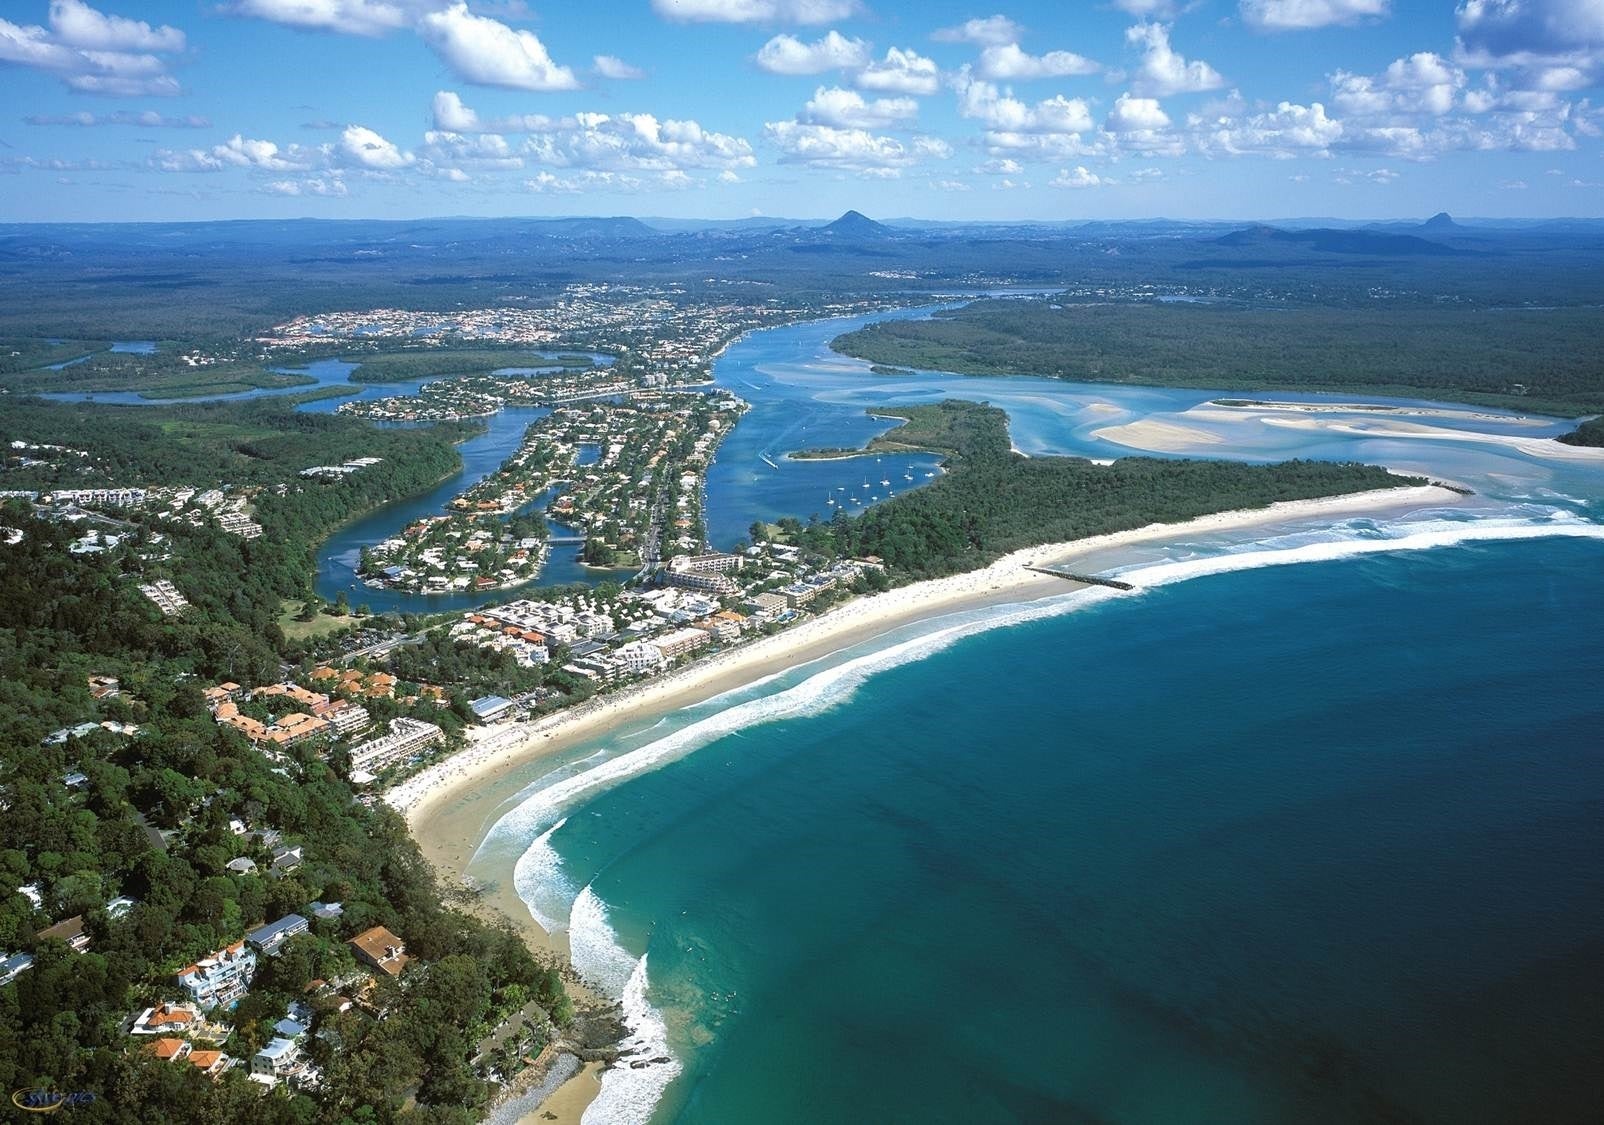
(993, 501)
(1590, 432)
(66, 617)
(1550, 360)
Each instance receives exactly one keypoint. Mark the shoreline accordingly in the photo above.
(499, 748)
(449, 806)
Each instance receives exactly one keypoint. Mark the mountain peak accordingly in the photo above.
(1442, 220)
(855, 224)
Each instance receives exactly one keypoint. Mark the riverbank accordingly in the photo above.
(450, 805)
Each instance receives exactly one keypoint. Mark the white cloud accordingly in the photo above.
(1288, 130)
(613, 183)
(446, 150)
(1000, 111)
(350, 17)
(786, 54)
(1163, 71)
(489, 53)
(848, 109)
(94, 53)
(237, 152)
(1008, 61)
(901, 72)
(325, 187)
(755, 11)
(1553, 44)
(367, 148)
(1300, 15)
(452, 116)
(611, 66)
(78, 25)
(1135, 115)
(1421, 83)
(1078, 177)
(635, 142)
(851, 150)
(950, 185)
(992, 31)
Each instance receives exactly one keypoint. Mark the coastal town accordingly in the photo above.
(624, 480)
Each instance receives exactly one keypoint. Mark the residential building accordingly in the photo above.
(639, 658)
(269, 939)
(492, 708)
(406, 738)
(70, 931)
(170, 1050)
(380, 949)
(345, 716)
(681, 642)
(166, 1019)
(279, 1060)
(220, 979)
(210, 1063)
(14, 966)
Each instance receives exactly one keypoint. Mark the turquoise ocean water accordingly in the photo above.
(1263, 843)
(1297, 843)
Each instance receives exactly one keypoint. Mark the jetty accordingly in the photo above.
(1088, 579)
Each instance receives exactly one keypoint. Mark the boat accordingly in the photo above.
(885, 483)
(907, 476)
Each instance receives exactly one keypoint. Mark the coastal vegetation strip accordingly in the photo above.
(1541, 360)
(993, 501)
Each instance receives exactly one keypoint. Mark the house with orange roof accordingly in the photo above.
(380, 949)
(170, 1050)
(210, 1063)
(166, 1019)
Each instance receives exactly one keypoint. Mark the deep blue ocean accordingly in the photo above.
(1312, 843)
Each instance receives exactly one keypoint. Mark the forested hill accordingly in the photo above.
(1549, 360)
(993, 501)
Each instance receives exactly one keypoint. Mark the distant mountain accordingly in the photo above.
(856, 227)
(1440, 223)
(584, 227)
(1338, 241)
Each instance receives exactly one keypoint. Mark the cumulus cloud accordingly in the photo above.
(1556, 44)
(901, 72)
(367, 148)
(1009, 61)
(610, 66)
(851, 150)
(1001, 112)
(635, 142)
(1134, 115)
(755, 11)
(1163, 71)
(94, 53)
(1288, 130)
(1420, 83)
(1077, 177)
(848, 109)
(451, 115)
(992, 31)
(78, 25)
(489, 53)
(786, 54)
(237, 152)
(1301, 15)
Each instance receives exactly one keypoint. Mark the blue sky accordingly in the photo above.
(996, 109)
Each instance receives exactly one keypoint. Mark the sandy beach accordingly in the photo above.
(450, 805)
